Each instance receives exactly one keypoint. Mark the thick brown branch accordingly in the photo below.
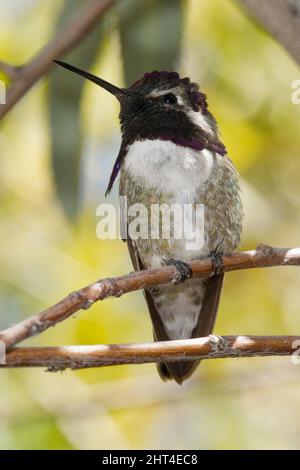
(72, 33)
(281, 18)
(264, 256)
(211, 347)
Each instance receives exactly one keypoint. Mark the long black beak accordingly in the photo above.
(117, 92)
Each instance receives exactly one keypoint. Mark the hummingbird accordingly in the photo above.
(170, 153)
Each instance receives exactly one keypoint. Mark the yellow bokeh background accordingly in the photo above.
(228, 404)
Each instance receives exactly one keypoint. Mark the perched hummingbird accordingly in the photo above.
(171, 153)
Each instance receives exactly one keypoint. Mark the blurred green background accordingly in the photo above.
(57, 149)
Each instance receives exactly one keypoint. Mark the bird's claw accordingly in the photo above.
(217, 264)
(183, 270)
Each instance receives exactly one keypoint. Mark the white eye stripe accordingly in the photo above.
(179, 99)
(197, 118)
(157, 93)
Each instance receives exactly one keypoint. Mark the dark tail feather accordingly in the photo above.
(181, 370)
(209, 307)
(178, 371)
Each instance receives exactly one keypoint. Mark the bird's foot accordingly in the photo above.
(217, 264)
(183, 270)
(154, 291)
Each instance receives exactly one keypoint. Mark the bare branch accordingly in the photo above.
(264, 256)
(73, 32)
(281, 18)
(10, 70)
(211, 347)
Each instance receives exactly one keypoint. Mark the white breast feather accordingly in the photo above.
(168, 167)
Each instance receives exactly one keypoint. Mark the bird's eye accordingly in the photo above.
(169, 98)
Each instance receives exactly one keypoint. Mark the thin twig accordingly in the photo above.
(69, 36)
(281, 18)
(264, 256)
(211, 347)
(10, 70)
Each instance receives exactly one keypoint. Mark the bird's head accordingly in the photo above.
(161, 105)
